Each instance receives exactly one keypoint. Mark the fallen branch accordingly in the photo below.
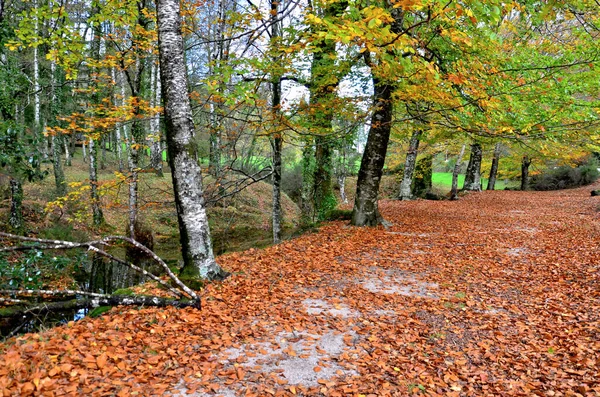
(92, 246)
(93, 299)
(108, 300)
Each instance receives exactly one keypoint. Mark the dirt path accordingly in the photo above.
(496, 294)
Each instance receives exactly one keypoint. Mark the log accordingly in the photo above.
(111, 300)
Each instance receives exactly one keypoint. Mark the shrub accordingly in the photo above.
(565, 177)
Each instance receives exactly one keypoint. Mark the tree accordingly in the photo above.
(186, 174)
(409, 166)
(473, 175)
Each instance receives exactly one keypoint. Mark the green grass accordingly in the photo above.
(443, 180)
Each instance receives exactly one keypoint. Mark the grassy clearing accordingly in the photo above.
(443, 180)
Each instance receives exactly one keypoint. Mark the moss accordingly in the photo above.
(194, 282)
(124, 291)
(100, 310)
(10, 311)
(339, 215)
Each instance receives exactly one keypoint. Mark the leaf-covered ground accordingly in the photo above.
(496, 294)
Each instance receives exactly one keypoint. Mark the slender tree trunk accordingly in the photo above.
(324, 197)
(276, 144)
(409, 166)
(494, 168)
(307, 193)
(194, 230)
(473, 175)
(454, 190)
(15, 219)
(84, 152)
(214, 160)
(67, 144)
(59, 174)
(97, 215)
(525, 163)
(276, 139)
(342, 182)
(155, 149)
(102, 142)
(119, 125)
(37, 125)
(366, 210)
(422, 182)
(55, 141)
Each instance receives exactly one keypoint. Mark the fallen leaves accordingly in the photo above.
(496, 294)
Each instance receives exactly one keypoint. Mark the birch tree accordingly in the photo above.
(186, 174)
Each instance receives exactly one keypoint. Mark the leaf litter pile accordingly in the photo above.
(495, 294)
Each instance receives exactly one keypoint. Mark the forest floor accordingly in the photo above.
(495, 294)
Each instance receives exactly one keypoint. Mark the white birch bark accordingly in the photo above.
(409, 167)
(186, 173)
(155, 148)
(118, 125)
(454, 189)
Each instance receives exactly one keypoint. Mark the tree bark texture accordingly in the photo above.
(97, 215)
(276, 138)
(322, 93)
(473, 175)
(194, 230)
(155, 148)
(494, 168)
(455, 172)
(276, 144)
(422, 181)
(525, 163)
(55, 141)
(307, 193)
(409, 166)
(15, 219)
(366, 211)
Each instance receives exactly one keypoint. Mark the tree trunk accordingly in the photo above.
(97, 215)
(214, 157)
(422, 182)
(307, 194)
(276, 139)
(37, 125)
(276, 144)
(59, 174)
(119, 126)
(525, 163)
(494, 168)
(322, 93)
(366, 211)
(341, 178)
(473, 175)
(55, 141)
(409, 166)
(194, 230)
(67, 143)
(324, 197)
(454, 190)
(16, 205)
(155, 149)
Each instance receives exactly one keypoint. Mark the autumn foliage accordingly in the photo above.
(496, 294)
